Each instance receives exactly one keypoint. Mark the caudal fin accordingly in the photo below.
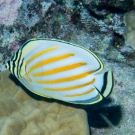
(102, 88)
(104, 83)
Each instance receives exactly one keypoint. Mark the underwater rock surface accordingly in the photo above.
(97, 25)
(119, 113)
(21, 114)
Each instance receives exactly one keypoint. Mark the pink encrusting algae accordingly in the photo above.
(9, 11)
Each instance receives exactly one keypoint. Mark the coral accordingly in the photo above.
(130, 29)
(95, 24)
(89, 22)
(24, 113)
(28, 15)
(45, 6)
(103, 7)
(9, 11)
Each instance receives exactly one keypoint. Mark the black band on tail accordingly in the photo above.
(107, 84)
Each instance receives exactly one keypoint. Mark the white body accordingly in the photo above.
(62, 71)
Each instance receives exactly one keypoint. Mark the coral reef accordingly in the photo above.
(103, 7)
(29, 13)
(9, 11)
(97, 25)
(24, 113)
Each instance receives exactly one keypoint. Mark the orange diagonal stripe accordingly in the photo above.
(50, 60)
(72, 87)
(60, 69)
(71, 78)
(85, 93)
(41, 53)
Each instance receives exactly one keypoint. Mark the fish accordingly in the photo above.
(61, 70)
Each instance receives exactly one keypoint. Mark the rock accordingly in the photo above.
(102, 7)
(24, 113)
(9, 11)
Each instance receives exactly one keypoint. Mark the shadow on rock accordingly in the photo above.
(103, 115)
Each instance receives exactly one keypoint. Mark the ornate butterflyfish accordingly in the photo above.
(61, 70)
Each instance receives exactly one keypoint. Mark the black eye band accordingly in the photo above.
(8, 65)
